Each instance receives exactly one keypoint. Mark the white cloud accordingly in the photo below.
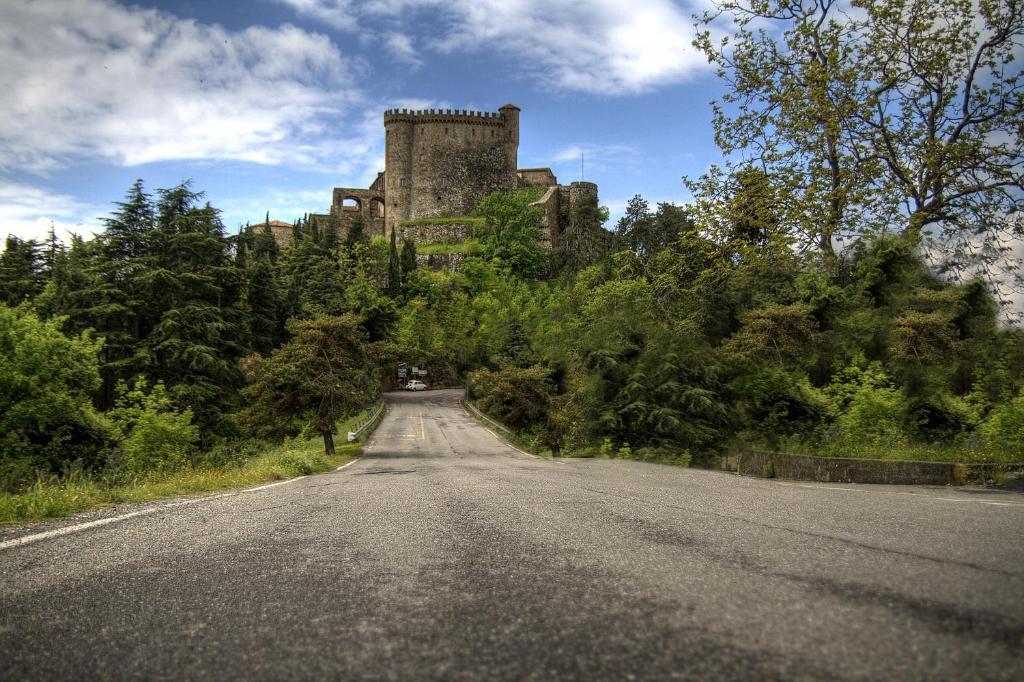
(336, 13)
(600, 46)
(90, 78)
(400, 45)
(27, 211)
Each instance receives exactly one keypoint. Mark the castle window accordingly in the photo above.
(445, 131)
(403, 182)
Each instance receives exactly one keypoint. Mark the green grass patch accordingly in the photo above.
(442, 220)
(918, 452)
(470, 247)
(56, 497)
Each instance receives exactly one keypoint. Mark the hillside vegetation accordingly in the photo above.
(829, 289)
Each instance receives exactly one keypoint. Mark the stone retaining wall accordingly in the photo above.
(436, 233)
(766, 464)
(441, 261)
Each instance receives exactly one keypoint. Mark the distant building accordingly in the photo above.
(282, 231)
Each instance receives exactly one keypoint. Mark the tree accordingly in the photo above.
(263, 305)
(21, 271)
(902, 116)
(194, 288)
(784, 110)
(320, 376)
(394, 286)
(408, 258)
(356, 234)
(944, 102)
(646, 232)
(510, 233)
(47, 421)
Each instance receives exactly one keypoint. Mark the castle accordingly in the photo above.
(441, 163)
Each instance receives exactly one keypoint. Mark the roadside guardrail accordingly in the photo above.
(353, 435)
(472, 408)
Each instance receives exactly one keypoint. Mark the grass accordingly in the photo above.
(441, 220)
(57, 497)
(904, 450)
(469, 247)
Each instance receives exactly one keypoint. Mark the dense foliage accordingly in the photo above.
(830, 289)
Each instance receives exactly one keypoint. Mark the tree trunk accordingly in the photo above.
(328, 443)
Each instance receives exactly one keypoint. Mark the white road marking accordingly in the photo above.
(347, 465)
(899, 492)
(67, 530)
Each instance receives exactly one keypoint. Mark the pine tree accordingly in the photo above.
(394, 286)
(408, 258)
(21, 271)
(263, 306)
(356, 234)
(195, 345)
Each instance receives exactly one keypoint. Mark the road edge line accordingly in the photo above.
(68, 530)
(466, 409)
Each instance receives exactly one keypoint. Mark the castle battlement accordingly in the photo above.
(461, 116)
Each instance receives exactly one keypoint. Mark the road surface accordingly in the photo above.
(445, 554)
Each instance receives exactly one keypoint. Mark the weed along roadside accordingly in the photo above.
(55, 498)
(501, 431)
(795, 467)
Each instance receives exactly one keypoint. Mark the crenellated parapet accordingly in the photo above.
(454, 116)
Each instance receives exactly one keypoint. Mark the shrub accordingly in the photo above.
(517, 397)
(47, 422)
(155, 436)
(874, 415)
(1003, 429)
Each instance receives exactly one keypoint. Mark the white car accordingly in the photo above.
(415, 385)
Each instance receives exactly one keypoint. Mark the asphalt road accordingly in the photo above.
(443, 553)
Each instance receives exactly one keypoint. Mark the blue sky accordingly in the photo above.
(266, 105)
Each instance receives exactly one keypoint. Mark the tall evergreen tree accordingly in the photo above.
(394, 286)
(408, 258)
(21, 271)
(195, 345)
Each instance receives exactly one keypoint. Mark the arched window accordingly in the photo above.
(351, 204)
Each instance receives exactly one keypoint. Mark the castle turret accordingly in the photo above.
(510, 115)
(398, 155)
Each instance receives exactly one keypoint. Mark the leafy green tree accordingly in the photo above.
(510, 233)
(646, 232)
(154, 436)
(903, 115)
(318, 377)
(47, 421)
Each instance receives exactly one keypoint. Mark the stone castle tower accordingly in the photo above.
(441, 163)
(444, 162)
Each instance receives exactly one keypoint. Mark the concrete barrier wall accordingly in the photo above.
(767, 464)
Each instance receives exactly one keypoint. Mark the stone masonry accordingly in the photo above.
(443, 163)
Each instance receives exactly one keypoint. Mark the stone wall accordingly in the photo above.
(766, 464)
(441, 261)
(549, 222)
(436, 233)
